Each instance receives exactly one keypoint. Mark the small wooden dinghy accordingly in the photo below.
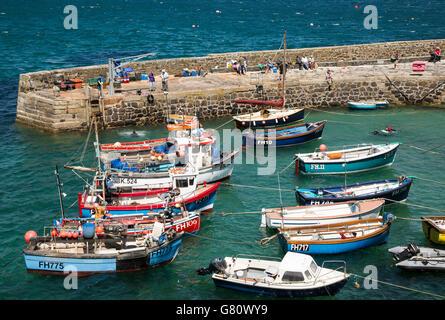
(336, 238)
(321, 214)
(268, 118)
(434, 228)
(113, 252)
(285, 136)
(390, 189)
(296, 275)
(362, 105)
(356, 159)
(415, 258)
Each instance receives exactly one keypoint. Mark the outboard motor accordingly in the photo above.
(216, 265)
(115, 229)
(410, 251)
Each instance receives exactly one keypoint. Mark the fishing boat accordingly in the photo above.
(274, 117)
(362, 105)
(414, 258)
(354, 159)
(285, 136)
(141, 203)
(200, 153)
(183, 192)
(296, 275)
(186, 221)
(90, 254)
(389, 189)
(336, 238)
(321, 214)
(434, 228)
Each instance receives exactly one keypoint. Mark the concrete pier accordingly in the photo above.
(361, 72)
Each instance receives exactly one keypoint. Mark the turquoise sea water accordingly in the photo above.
(32, 38)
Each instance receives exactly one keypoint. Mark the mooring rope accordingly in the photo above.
(255, 187)
(223, 124)
(410, 219)
(401, 287)
(414, 205)
(429, 180)
(288, 166)
(421, 149)
(229, 213)
(220, 240)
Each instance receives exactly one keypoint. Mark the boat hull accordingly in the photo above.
(398, 194)
(209, 174)
(296, 116)
(290, 140)
(92, 264)
(288, 221)
(432, 234)
(341, 246)
(359, 165)
(362, 106)
(202, 202)
(330, 289)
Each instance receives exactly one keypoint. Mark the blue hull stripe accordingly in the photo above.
(338, 247)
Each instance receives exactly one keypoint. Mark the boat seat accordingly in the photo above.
(334, 236)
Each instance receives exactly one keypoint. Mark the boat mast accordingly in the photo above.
(284, 68)
(59, 185)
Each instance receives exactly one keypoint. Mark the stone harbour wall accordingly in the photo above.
(334, 55)
(38, 107)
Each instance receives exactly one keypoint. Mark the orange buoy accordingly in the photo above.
(323, 147)
(335, 155)
(29, 235)
(99, 229)
(63, 234)
(54, 233)
(75, 235)
(69, 234)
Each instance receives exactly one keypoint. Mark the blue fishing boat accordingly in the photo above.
(362, 105)
(356, 159)
(286, 136)
(112, 252)
(336, 238)
(390, 189)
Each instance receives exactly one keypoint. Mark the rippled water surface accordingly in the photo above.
(32, 38)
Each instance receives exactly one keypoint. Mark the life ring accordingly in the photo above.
(150, 99)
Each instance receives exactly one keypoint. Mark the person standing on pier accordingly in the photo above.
(99, 87)
(151, 80)
(164, 77)
(329, 79)
(305, 62)
(245, 65)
